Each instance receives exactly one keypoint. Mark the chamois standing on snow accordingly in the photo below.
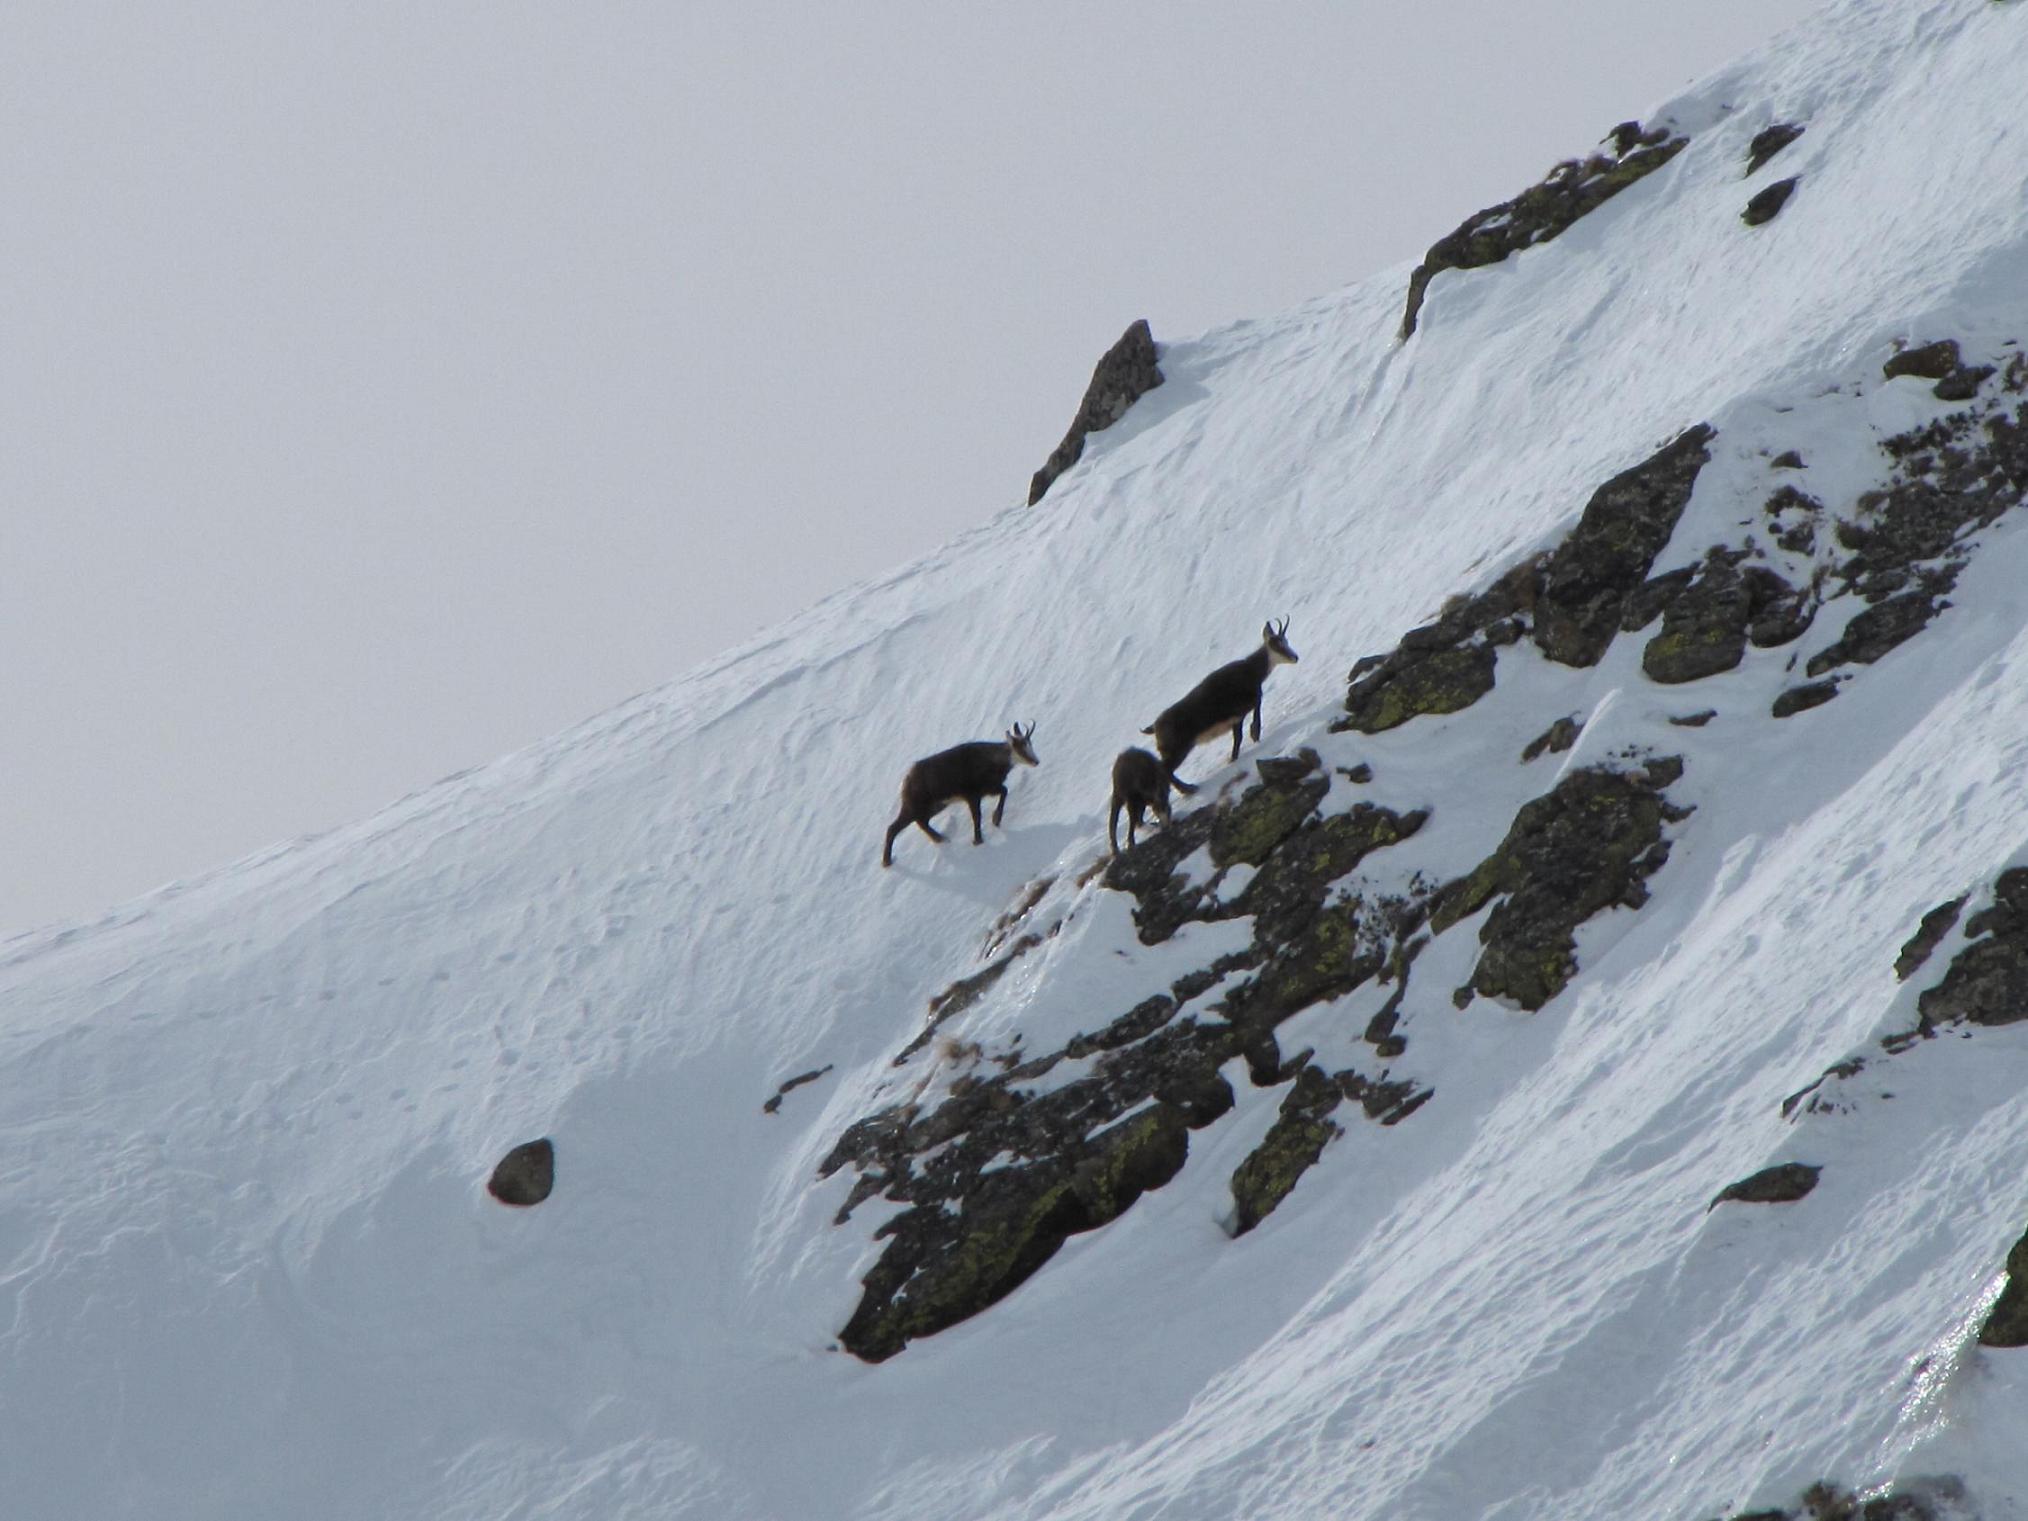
(1220, 702)
(1139, 784)
(970, 771)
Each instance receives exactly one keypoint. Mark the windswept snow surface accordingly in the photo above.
(248, 1268)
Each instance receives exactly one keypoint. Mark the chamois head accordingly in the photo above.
(1277, 642)
(1020, 743)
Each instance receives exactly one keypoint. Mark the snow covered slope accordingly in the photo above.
(248, 1266)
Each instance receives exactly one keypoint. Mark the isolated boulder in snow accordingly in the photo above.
(525, 1175)
(1571, 190)
(1126, 372)
(1782, 1184)
(1767, 204)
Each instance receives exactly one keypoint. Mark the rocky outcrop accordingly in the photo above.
(1987, 983)
(1573, 189)
(1128, 371)
(1905, 541)
(525, 1175)
(1591, 580)
(1936, 924)
(2006, 1325)
(1932, 1497)
(1587, 845)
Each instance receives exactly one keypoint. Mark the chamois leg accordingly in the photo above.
(923, 824)
(1000, 808)
(978, 834)
(1186, 788)
(1256, 728)
(1113, 826)
(1237, 727)
(887, 846)
(1136, 811)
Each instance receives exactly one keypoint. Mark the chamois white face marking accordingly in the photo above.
(1023, 750)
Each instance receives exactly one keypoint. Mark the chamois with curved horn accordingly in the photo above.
(1139, 784)
(1219, 703)
(967, 772)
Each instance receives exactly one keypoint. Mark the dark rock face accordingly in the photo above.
(1767, 204)
(1127, 372)
(1782, 1184)
(1595, 572)
(1587, 845)
(1445, 666)
(1987, 983)
(1905, 540)
(1292, 1146)
(1940, 362)
(1571, 190)
(1703, 626)
(2007, 1324)
(774, 1104)
(1936, 924)
(525, 1175)
(978, 1223)
(1801, 699)
(1768, 142)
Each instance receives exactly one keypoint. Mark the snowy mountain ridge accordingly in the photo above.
(248, 1266)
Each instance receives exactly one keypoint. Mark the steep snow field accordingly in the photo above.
(248, 1268)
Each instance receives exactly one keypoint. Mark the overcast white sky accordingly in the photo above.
(385, 386)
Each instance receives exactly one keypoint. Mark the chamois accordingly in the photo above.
(1139, 783)
(969, 771)
(1220, 702)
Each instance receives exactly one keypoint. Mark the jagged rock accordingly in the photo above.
(1605, 559)
(1768, 142)
(1876, 630)
(1782, 1184)
(1127, 372)
(1936, 924)
(2007, 1323)
(1801, 699)
(1290, 1148)
(1962, 384)
(1571, 190)
(1777, 613)
(1987, 983)
(525, 1175)
(1588, 844)
(1554, 740)
(941, 1268)
(1767, 204)
(1266, 814)
(1703, 627)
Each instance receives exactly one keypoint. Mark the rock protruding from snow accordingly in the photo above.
(1767, 204)
(1783, 1183)
(1128, 371)
(525, 1175)
(2007, 1324)
(1571, 190)
(1768, 142)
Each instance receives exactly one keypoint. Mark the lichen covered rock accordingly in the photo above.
(1767, 204)
(1588, 844)
(1769, 141)
(1292, 1145)
(1604, 561)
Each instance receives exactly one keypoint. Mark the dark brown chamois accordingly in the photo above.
(1220, 702)
(965, 772)
(1139, 784)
